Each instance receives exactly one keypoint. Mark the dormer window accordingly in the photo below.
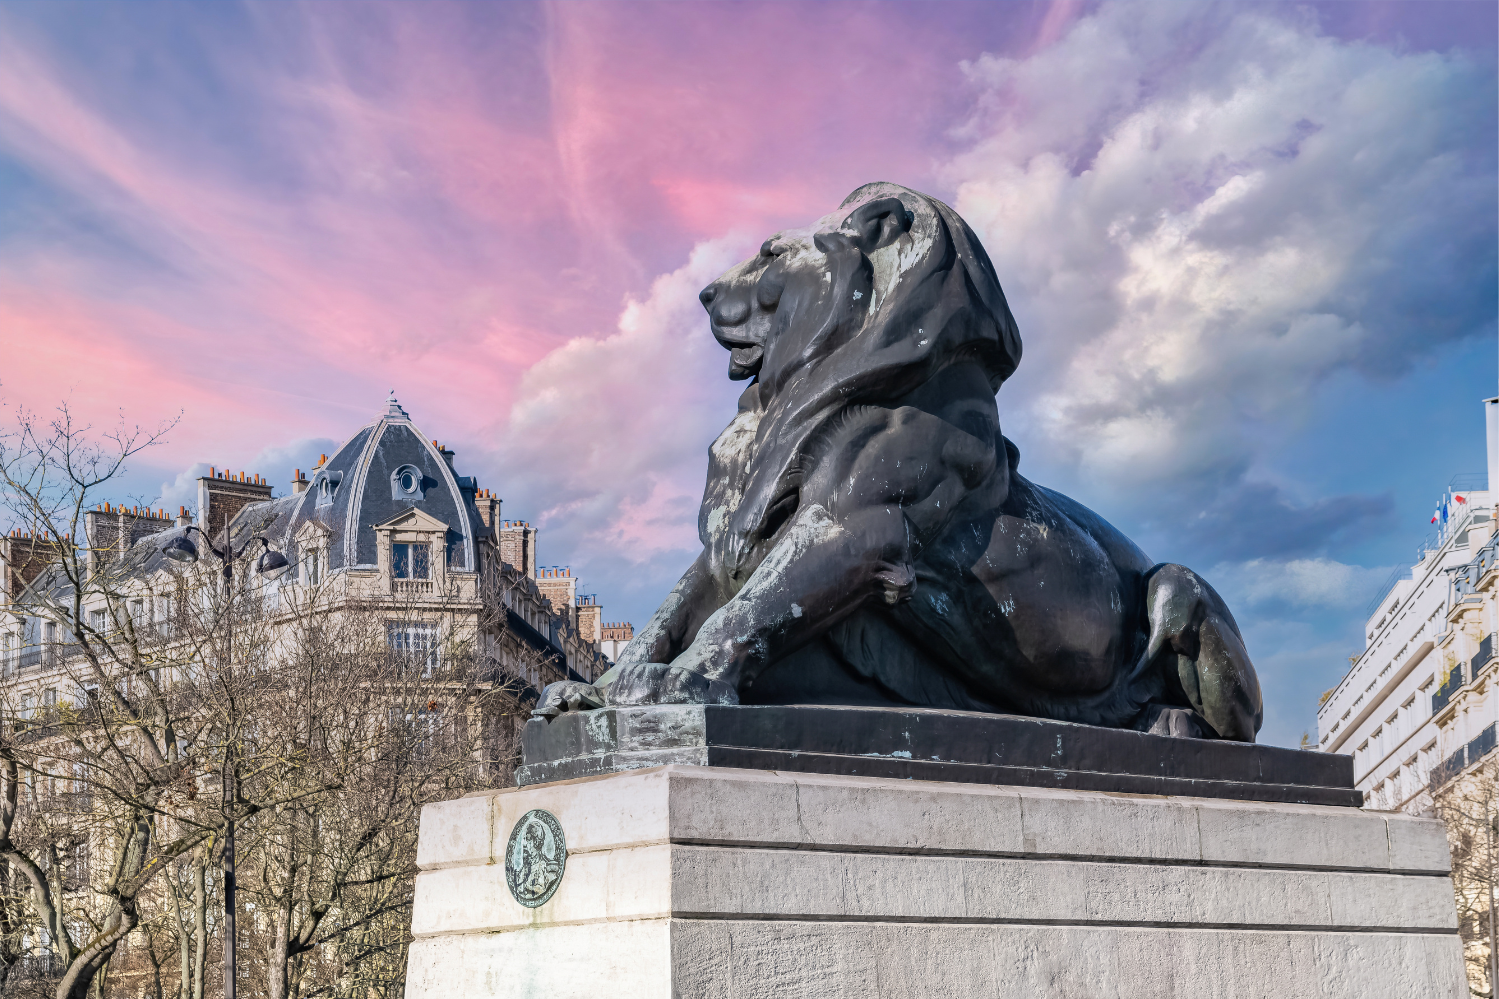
(327, 487)
(408, 483)
(411, 561)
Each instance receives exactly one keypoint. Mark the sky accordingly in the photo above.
(1251, 249)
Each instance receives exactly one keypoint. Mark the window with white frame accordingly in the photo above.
(411, 561)
(312, 567)
(414, 642)
(164, 611)
(420, 724)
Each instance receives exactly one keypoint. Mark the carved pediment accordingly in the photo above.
(414, 520)
(312, 533)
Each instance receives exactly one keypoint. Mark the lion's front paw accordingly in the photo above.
(567, 695)
(659, 683)
(1184, 723)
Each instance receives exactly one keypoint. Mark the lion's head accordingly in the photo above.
(859, 309)
(893, 281)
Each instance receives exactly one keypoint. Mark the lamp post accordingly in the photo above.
(271, 564)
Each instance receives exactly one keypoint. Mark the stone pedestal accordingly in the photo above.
(699, 881)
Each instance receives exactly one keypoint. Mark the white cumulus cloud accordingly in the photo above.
(606, 444)
(1200, 213)
(1305, 583)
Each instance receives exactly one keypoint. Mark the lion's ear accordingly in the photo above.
(878, 223)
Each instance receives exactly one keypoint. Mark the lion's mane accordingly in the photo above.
(935, 301)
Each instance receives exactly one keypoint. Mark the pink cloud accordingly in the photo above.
(451, 219)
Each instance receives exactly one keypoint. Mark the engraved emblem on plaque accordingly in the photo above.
(535, 858)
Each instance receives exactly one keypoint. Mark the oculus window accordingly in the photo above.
(408, 483)
(411, 561)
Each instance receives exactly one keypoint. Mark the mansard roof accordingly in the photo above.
(386, 468)
(357, 489)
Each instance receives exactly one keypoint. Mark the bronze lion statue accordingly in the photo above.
(867, 536)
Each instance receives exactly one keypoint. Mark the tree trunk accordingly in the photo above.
(200, 925)
(276, 970)
(93, 959)
(184, 942)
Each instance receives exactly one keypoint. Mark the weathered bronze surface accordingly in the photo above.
(535, 858)
(867, 536)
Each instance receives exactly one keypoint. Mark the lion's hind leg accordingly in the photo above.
(1195, 643)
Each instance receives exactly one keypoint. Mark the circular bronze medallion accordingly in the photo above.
(535, 858)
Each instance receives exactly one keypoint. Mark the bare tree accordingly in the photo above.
(166, 712)
(367, 733)
(1469, 805)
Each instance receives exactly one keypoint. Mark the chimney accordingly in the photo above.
(222, 495)
(518, 546)
(298, 483)
(183, 517)
(1491, 423)
(489, 509)
(113, 530)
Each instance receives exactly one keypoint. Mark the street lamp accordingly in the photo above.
(271, 564)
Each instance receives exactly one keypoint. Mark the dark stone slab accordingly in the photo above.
(928, 744)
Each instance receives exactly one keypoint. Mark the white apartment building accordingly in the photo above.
(1419, 705)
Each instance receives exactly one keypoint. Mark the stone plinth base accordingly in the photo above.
(690, 881)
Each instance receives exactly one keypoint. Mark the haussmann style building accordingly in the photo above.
(385, 521)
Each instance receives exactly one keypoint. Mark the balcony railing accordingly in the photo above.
(1482, 657)
(1465, 756)
(1449, 687)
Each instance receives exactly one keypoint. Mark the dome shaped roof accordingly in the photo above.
(386, 467)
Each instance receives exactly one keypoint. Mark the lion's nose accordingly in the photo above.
(725, 310)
